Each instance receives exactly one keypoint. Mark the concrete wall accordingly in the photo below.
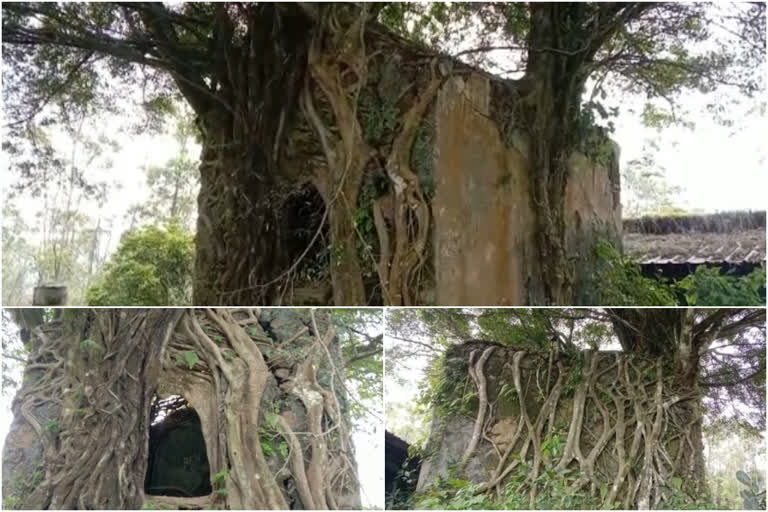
(484, 235)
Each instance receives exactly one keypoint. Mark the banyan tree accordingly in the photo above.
(195, 409)
(346, 160)
(588, 409)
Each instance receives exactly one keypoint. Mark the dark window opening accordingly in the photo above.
(178, 463)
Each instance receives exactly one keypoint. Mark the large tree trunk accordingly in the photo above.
(554, 70)
(618, 430)
(244, 226)
(82, 406)
(257, 380)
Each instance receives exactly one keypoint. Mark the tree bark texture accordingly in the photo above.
(267, 385)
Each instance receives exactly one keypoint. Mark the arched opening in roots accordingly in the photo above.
(178, 462)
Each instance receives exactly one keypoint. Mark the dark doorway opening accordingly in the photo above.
(178, 463)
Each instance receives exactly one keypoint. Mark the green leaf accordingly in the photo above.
(457, 483)
(603, 491)
(222, 492)
(191, 358)
(677, 482)
(220, 477)
(253, 330)
(266, 447)
(283, 448)
(271, 419)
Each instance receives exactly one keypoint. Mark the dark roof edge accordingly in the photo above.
(722, 222)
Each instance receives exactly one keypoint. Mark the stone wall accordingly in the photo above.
(484, 234)
(631, 379)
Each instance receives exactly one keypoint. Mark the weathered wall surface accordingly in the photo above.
(484, 235)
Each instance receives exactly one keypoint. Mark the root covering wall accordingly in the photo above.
(420, 170)
(266, 384)
(485, 250)
(618, 429)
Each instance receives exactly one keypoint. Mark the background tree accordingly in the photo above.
(172, 186)
(151, 267)
(17, 266)
(65, 232)
(646, 188)
(264, 367)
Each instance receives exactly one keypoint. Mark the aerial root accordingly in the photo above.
(629, 418)
(478, 376)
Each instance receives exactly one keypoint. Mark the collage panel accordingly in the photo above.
(228, 408)
(623, 408)
(145, 164)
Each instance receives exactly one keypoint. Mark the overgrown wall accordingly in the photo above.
(616, 428)
(485, 229)
(470, 157)
(253, 376)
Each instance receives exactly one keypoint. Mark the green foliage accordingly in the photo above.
(552, 447)
(400, 497)
(219, 478)
(172, 186)
(507, 391)
(619, 282)
(283, 449)
(12, 503)
(21, 485)
(575, 377)
(189, 359)
(51, 426)
(17, 246)
(554, 492)
(366, 227)
(708, 287)
(152, 267)
(676, 499)
(524, 328)
(271, 420)
(90, 345)
(379, 121)
(269, 432)
(360, 335)
(423, 159)
(592, 140)
(453, 494)
(443, 390)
